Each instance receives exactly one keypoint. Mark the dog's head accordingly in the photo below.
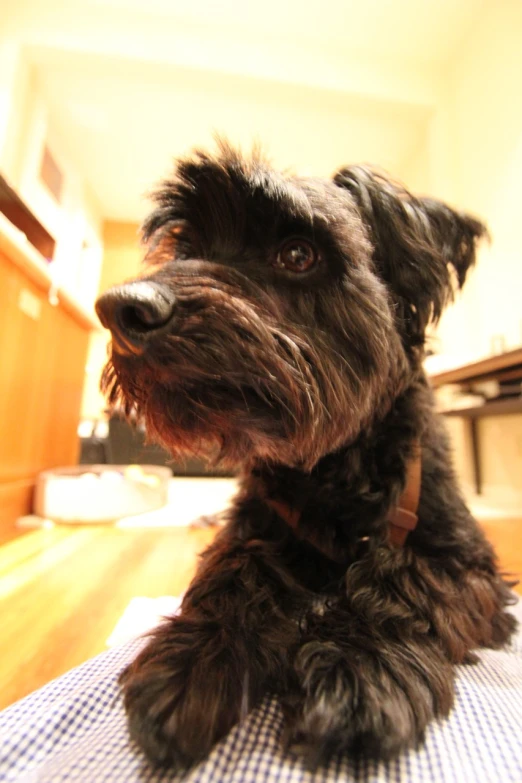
(278, 316)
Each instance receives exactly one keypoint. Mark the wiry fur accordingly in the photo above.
(312, 386)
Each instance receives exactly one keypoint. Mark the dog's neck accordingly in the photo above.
(368, 490)
(401, 518)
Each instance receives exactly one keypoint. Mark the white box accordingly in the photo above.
(100, 493)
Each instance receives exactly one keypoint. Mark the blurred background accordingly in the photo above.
(97, 97)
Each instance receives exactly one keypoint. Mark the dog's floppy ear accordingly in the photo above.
(416, 241)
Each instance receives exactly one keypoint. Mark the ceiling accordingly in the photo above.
(131, 85)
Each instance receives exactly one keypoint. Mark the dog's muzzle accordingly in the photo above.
(136, 313)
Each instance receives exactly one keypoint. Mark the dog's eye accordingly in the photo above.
(297, 255)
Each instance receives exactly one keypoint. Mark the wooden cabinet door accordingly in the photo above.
(43, 352)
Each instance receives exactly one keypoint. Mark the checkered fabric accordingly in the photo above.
(74, 730)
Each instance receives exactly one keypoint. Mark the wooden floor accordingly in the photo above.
(505, 534)
(63, 590)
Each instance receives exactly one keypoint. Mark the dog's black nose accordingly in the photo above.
(135, 312)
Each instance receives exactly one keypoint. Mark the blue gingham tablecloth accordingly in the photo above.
(74, 730)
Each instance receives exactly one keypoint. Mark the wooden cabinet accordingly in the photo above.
(43, 351)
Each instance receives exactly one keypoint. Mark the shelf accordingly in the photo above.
(18, 250)
(503, 367)
(485, 369)
(14, 209)
(493, 408)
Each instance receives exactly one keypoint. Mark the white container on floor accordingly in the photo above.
(100, 493)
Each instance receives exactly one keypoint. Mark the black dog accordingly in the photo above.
(280, 327)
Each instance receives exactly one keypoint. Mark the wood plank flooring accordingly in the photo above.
(63, 590)
(505, 533)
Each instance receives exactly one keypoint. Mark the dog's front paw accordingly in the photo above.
(359, 701)
(182, 694)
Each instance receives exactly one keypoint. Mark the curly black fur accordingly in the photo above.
(311, 384)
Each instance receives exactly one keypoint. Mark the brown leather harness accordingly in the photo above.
(402, 518)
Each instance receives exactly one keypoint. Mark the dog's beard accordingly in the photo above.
(235, 381)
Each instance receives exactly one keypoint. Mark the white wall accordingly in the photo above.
(476, 163)
(26, 125)
(474, 152)
(486, 103)
(14, 80)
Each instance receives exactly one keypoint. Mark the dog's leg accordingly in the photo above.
(203, 670)
(374, 670)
